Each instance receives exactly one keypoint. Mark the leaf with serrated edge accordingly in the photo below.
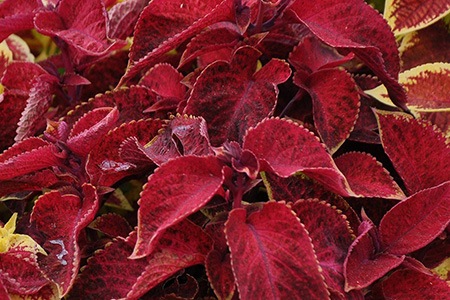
(286, 148)
(406, 16)
(171, 86)
(418, 150)
(416, 221)
(367, 177)
(176, 190)
(272, 255)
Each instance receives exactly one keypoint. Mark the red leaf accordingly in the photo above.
(15, 16)
(90, 130)
(286, 148)
(163, 25)
(123, 17)
(409, 284)
(80, 24)
(32, 182)
(331, 237)
(112, 225)
(335, 110)
(346, 25)
(61, 218)
(171, 86)
(272, 255)
(363, 266)
(408, 142)
(416, 221)
(233, 97)
(367, 177)
(176, 190)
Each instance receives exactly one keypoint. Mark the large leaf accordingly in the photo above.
(16, 15)
(416, 221)
(285, 148)
(356, 26)
(406, 16)
(418, 151)
(272, 255)
(367, 177)
(61, 218)
(232, 97)
(176, 190)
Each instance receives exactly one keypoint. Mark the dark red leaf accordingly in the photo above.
(35, 181)
(367, 177)
(416, 221)
(123, 17)
(418, 151)
(335, 110)
(285, 148)
(113, 225)
(363, 266)
(233, 97)
(409, 284)
(171, 86)
(331, 237)
(61, 218)
(15, 16)
(345, 25)
(176, 190)
(272, 255)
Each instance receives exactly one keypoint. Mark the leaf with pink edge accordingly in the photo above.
(106, 164)
(294, 149)
(232, 97)
(331, 237)
(112, 225)
(123, 17)
(15, 16)
(335, 110)
(406, 16)
(176, 189)
(409, 284)
(61, 218)
(367, 177)
(272, 255)
(163, 25)
(80, 25)
(418, 150)
(344, 25)
(363, 265)
(416, 221)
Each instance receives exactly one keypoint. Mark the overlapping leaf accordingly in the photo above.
(232, 97)
(123, 17)
(176, 190)
(418, 151)
(16, 16)
(113, 225)
(272, 255)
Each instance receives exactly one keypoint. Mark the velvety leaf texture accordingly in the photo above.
(176, 190)
(295, 149)
(416, 221)
(367, 177)
(16, 15)
(418, 151)
(272, 255)
(233, 97)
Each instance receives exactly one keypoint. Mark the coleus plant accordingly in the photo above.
(224, 149)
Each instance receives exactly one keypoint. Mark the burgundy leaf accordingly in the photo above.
(363, 266)
(113, 225)
(331, 237)
(32, 182)
(61, 218)
(81, 25)
(409, 284)
(365, 126)
(163, 25)
(367, 177)
(232, 97)
(15, 16)
(39, 101)
(272, 255)
(416, 221)
(335, 110)
(286, 148)
(171, 86)
(176, 190)
(106, 164)
(123, 17)
(418, 151)
(345, 25)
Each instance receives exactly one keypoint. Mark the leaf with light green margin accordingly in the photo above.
(427, 87)
(405, 16)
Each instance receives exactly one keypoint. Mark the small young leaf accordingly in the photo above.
(176, 189)
(416, 221)
(272, 255)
